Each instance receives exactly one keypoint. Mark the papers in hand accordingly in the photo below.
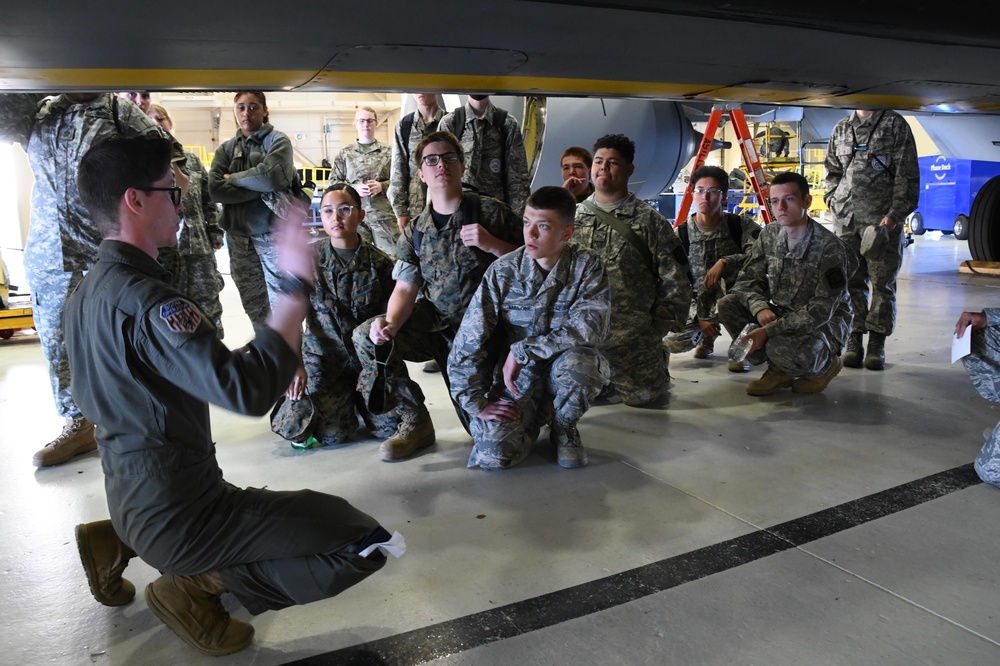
(961, 346)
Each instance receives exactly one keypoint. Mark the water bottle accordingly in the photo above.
(740, 348)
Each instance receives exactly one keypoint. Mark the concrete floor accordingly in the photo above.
(664, 550)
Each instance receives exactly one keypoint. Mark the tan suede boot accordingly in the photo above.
(569, 448)
(817, 384)
(191, 607)
(77, 437)
(772, 380)
(415, 432)
(104, 557)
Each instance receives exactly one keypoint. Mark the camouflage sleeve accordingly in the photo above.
(673, 293)
(339, 172)
(589, 315)
(137, 123)
(209, 211)
(752, 287)
(407, 268)
(830, 289)
(17, 116)
(992, 317)
(906, 173)
(399, 177)
(469, 368)
(219, 188)
(447, 124)
(384, 172)
(834, 169)
(274, 173)
(518, 187)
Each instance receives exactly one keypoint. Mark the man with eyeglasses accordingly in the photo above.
(62, 237)
(717, 243)
(872, 184)
(647, 269)
(146, 375)
(407, 193)
(496, 164)
(443, 256)
(793, 287)
(365, 164)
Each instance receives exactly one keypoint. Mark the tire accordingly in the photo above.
(961, 227)
(916, 221)
(7, 333)
(984, 222)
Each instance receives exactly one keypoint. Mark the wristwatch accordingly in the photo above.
(293, 285)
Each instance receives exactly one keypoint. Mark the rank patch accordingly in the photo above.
(181, 316)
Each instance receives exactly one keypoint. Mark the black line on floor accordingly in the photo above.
(464, 633)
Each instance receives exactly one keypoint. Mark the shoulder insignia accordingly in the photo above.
(835, 278)
(180, 315)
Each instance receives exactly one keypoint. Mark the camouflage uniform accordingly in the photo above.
(642, 311)
(193, 269)
(703, 253)
(495, 170)
(553, 325)
(447, 274)
(983, 366)
(364, 162)
(407, 193)
(863, 186)
(253, 170)
(62, 238)
(806, 287)
(346, 295)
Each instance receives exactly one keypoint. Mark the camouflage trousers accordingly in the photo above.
(803, 355)
(49, 290)
(422, 338)
(638, 369)
(556, 391)
(253, 263)
(881, 272)
(385, 233)
(983, 367)
(197, 277)
(337, 403)
(687, 338)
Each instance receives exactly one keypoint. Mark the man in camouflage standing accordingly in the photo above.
(794, 287)
(647, 269)
(536, 321)
(443, 255)
(407, 193)
(873, 183)
(365, 165)
(495, 162)
(62, 238)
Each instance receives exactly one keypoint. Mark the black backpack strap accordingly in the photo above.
(735, 223)
(623, 230)
(685, 236)
(405, 128)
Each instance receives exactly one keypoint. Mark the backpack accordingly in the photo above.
(500, 122)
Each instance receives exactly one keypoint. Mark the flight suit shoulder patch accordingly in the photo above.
(180, 315)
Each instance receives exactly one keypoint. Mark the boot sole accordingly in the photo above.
(169, 619)
(90, 568)
(818, 389)
(762, 392)
(390, 456)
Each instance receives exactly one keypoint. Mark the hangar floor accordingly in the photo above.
(839, 528)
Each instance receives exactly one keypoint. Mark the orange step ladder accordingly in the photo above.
(750, 159)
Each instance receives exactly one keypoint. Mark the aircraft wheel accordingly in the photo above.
(961, 227)
(916, 221)
(984, 222)
(7, 333)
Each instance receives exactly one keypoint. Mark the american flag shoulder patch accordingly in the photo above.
(180, 315)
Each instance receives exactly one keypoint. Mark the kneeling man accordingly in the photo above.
(794, 286)
(526, 353)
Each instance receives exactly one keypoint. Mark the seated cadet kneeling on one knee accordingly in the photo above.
(353, 283)
(794, 286)
(526, 354)
(145, 377)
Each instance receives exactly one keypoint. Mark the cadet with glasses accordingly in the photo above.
(717, 243)
(443, 255)
(366, 164)
(255, 162)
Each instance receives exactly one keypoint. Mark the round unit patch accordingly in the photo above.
(495, 165)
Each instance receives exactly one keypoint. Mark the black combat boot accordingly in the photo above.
(855, 354)
(876, 352)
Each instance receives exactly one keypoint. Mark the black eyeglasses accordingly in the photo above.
(175, 192)
(434, 160)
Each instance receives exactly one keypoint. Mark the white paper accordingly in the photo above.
(961, 347)
(395, 546)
